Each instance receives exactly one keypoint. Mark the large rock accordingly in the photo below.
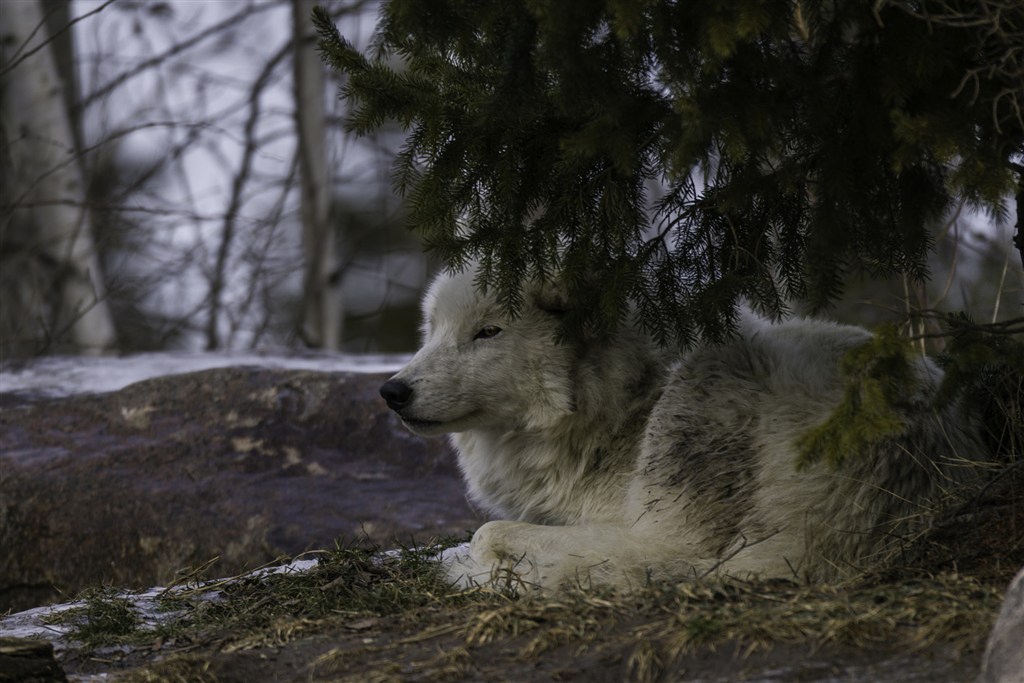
(242, 464)
(1004, 654)
(28, 661)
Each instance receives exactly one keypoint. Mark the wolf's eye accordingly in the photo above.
(487, 332)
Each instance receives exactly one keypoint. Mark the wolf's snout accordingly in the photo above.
(396, 393)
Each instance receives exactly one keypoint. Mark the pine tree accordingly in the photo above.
(685, 155)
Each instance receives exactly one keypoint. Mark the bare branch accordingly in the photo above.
(238, 186)
(22, 57)
(247, 11)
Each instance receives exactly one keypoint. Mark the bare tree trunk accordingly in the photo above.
(1018, 238)
(321, 322)
(47, 188)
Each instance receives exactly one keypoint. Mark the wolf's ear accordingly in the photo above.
(551, 298)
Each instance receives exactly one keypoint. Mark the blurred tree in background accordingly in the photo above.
(45, 190)
(690, 154)
(195, 193)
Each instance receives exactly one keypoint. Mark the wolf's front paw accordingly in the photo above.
(464, 566)
(457, 565)
(488, 561)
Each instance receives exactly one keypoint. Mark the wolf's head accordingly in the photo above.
(480, 369)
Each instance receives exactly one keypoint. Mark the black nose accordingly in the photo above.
(397, 393)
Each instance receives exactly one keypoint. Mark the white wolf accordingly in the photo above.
(612, 462)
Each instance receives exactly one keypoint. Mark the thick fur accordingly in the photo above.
(614, 462)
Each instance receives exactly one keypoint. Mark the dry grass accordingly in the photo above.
(423, 630)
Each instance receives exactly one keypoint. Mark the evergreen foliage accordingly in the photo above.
(983, 368)
(879, 377)
(688, 154)
(984, 364)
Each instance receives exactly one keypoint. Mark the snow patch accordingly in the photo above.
(57, 376)
(32, 623)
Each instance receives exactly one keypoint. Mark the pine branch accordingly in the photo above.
(337, 52)
(824, 143)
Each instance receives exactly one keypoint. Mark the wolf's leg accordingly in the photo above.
(526, 557)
